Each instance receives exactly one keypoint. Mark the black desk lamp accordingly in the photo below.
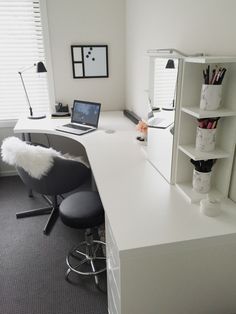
(40, 68)
(170, 64)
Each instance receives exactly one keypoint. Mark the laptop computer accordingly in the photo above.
(161, 120)
(84, 118)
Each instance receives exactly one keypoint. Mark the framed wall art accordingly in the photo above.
(89, 61)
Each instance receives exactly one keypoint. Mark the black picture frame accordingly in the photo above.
(89, 61)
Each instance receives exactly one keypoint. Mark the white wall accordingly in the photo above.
(88, 22)
(188, 25)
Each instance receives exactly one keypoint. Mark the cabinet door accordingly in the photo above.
(113, 272)
(160, 142)
(164, 85)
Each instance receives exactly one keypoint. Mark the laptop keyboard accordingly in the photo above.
(78, 127)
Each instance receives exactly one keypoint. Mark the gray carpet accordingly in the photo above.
(32, 265)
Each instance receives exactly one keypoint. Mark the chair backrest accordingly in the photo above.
(34, 159)
(42, 169)
(64, 176)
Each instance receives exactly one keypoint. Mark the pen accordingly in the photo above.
(204, 76)
(208, 74)
(214, 124)
(214, 78)
(222, 75)
(213, 75)
(218, 76)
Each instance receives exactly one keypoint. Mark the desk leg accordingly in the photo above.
(27, 137)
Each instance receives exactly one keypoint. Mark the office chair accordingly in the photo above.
(63, 176)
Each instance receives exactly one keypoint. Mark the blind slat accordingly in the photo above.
(21, 39)
(164, 83)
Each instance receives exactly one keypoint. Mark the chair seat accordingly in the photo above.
(82, 210)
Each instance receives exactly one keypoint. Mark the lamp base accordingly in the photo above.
(35, 117)
(168, 109)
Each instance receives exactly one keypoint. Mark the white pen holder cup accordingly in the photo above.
(210, 97)
(205, 140)
(201, 181)
(211, 208)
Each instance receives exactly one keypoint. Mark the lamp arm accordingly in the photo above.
(26, 94)
(28, 68)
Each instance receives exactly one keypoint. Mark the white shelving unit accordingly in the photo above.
(189, 112)
(192, 196)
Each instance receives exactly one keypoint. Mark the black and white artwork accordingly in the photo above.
(89, 61)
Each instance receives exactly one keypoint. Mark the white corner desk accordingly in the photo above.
(163, 255)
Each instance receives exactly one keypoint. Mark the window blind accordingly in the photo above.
(21, 45)
(164, 83)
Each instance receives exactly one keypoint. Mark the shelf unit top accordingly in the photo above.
(211, 59)
(191, 151)
(198, 113)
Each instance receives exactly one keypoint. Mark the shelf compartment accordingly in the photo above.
(197, 113)
(191, 151)
(194, 197)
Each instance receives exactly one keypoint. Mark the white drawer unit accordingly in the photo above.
(113, 272)
(113, 260)
(112, 309)
(113, 293)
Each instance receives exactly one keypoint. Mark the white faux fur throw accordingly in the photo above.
(36, 160)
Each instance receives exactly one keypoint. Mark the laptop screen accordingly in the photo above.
(86, 113)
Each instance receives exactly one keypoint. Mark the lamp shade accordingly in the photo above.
(170, 64)
(40, 67)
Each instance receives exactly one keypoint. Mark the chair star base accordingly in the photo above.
(51, 210)
(89, 253)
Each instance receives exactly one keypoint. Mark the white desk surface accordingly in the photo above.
(142, 208)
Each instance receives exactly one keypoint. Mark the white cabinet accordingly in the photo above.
(189, 112)
(196, 277)
(160, 147)
(113, 272)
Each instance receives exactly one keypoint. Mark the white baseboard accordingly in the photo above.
(8, 173)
